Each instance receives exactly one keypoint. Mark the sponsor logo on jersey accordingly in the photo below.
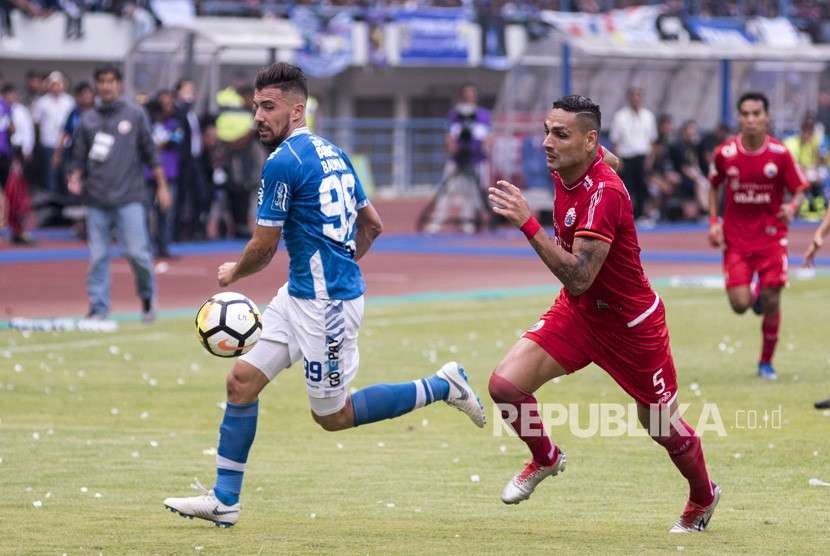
(570, 217)
(589, 183)
(667, 395)
(752, 198)
(770, 170)
(124, 127)
(260, 192)
(729, 150)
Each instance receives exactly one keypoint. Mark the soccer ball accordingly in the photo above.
(228, 324)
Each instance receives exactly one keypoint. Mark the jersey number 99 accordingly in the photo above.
(337, 200)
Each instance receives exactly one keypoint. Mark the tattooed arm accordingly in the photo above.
(257, 254)
(576, 270)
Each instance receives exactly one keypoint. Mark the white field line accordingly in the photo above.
(456, 316)
(80, 344)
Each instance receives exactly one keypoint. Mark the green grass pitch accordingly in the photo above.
(96, 430)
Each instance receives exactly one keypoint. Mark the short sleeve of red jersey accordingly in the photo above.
(716, 173)
(603, 215)
(794, 179)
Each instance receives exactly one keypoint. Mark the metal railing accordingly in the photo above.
(403, 155)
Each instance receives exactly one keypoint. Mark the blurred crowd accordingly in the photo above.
(665, 163)
(282, 8)
(141, 11)
(211, 161)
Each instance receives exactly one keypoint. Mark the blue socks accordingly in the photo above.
(386, 401)
(236, 434)
(375, 403)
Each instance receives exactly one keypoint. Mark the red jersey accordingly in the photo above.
(755, 183)
(598, 206)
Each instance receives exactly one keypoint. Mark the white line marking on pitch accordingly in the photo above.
(79, 344)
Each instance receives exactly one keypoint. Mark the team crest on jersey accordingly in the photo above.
(770, 170)
(570, 217)
(280, 201)
(536, 326)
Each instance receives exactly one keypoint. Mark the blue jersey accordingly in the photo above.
(310, 188)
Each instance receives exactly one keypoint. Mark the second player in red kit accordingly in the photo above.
(755, 171)
(606, 313)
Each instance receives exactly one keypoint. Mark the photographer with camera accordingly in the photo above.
(468, 144)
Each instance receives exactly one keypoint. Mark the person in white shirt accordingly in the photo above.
(23, 137)
(49, 113)
(633, 130)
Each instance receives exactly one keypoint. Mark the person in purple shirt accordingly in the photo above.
(168, 132)
(6, 131)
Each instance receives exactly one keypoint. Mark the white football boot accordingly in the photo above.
(522, 485)
(694, 518)
(205, 506)
(462, 396)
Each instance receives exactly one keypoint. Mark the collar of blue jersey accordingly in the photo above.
(299, 131)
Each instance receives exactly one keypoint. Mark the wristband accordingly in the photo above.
(530, 227)
(714, 220)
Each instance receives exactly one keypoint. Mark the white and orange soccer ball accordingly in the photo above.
(228, 324)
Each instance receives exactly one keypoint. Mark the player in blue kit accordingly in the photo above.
(311, 196)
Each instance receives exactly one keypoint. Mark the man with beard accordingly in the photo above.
(309, 188)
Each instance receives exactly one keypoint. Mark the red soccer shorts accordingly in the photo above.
(639, 359)
(770, 265)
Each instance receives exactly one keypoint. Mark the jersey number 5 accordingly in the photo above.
(337, 200)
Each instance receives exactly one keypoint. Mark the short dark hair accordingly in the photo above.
(81, 87)
(283, 76)
(753, 95)
(586, 110)
(101, 71)
(245, 90)
(180, 83)
(7, 88)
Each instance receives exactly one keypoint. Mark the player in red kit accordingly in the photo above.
(755, 172)
(606, 313)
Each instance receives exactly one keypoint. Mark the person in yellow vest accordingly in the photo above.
(244, 156)
(311, 113)
(809, 149)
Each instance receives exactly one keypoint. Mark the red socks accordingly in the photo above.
(521, 413)
(687, 454)
(769, 334)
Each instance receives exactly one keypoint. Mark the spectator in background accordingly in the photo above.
(692, 191)
(168, 133)
(6, 131)
(23, 138)
(17, 199)
(219, 219)
(709, 143)
(35, 87)
(809, 149)
(243, 159)
(84, 100)
(112, 144)
(633, 130)
(49, 113)
(193, 199)
(468, 145)
(662, 179)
